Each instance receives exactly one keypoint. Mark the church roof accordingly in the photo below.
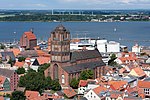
(60, 28)
(84, 55)
(87, 54)
(83, 66)
(30, 35)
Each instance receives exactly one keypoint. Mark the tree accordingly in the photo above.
(20, 59)
(31, 70)
(20, 70)
(86, 74)
(2, 46)
(55, 85)
(48, 82)
(11, 62)
(33, 81)
(43, 67)
(18, 95)
(0, 61)
(74, 83)
(112, 62)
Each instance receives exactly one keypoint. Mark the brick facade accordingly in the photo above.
(28, 40)
(66, 65)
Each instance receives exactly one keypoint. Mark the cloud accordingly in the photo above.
(39, 5)
(109, 1)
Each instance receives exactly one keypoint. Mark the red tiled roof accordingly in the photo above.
(43, 60)
(99, 89)
(83, 83)
(69, 92)
(19, 64)
(16, 51)
(1, 98)
(32, 95)
(2, 79)
(144, 84)
(139, 71)
(122, 70)
(114, 96)
(27, 58)
(30, 35)
(117, 85)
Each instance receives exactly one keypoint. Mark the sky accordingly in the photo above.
(74, 4)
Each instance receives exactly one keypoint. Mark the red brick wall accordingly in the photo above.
(14, 81)
(32, 44)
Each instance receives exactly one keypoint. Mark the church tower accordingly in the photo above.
(60, 44)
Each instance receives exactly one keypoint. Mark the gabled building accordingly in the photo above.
(126, 58)
(96, 93)
(28, 40)
(137, 72)
(144, 86)
(12, 76)
(4, 84)
(65, 64)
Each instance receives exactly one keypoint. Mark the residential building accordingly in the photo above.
(70, 93)
(137, 72)
(82, 87)
(126, 58)
(4, 84)
(136, 48)
(97, 93)
(12, 76)
(28, 40)
(145, 87)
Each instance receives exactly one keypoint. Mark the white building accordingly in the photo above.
(113, 46)
(102, 45)
(136, 48)
(80, 46)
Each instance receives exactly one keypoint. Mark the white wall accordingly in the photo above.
(113, 47)
(81, 90)
(91, 96)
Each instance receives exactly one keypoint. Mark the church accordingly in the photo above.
(66, 64)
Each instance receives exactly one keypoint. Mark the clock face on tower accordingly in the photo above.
(60, 44)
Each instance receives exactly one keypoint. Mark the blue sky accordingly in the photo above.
(74, 4)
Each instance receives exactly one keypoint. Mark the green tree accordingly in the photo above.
(74, 83)
(20, 70)
(20, 59)
(86, 74)
(0, 61)
(18, 95)
(11, 62)
(43, 67)
(31, 70)
(55, 85)
(48, 82)
(112, 62)
(33, 81)
(2, 46)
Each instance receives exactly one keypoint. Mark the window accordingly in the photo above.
(63, 78)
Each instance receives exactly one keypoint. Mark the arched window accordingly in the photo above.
(55, 70)
(62, 78)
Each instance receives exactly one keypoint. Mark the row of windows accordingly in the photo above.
(146, 90)
(61, 43)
